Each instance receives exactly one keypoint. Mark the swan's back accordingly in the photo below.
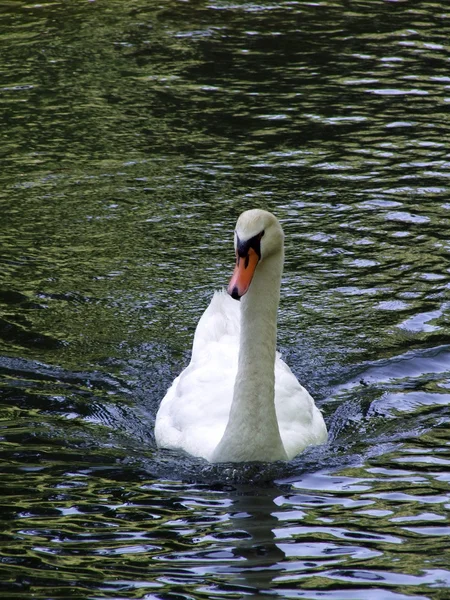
(194, 412)
(221, 320)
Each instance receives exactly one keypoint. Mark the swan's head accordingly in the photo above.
(258, 235)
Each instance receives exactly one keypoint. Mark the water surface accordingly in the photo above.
(133, 135)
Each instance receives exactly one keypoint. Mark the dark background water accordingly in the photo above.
(132, 136)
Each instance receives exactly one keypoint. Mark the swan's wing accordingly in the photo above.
(194, 412)
(300, 421)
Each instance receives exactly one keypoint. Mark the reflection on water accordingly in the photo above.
(133, 135)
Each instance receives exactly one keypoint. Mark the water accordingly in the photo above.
(133, 134)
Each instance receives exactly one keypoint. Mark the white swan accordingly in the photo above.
(237, 400)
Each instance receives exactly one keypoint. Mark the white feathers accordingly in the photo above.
(234, 369)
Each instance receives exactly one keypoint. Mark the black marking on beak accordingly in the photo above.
(242, 248)
(235, 294)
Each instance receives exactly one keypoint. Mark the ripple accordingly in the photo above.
(132, 144)
(406, 217)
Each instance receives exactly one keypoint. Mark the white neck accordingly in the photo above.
(252, 431)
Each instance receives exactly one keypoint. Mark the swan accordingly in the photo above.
(237, 401)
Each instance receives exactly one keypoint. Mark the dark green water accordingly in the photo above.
(132, 136)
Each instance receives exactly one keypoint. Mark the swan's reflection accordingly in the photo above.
(253, 513)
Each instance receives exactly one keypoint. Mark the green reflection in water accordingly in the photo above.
(133, 135)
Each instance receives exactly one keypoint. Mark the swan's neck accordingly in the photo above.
(252, 431)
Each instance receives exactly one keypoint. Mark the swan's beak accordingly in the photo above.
(243, 274)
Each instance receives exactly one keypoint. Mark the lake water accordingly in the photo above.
(133, 134)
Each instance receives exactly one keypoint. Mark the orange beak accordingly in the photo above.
(243, 274)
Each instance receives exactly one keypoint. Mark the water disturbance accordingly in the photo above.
(133, 134)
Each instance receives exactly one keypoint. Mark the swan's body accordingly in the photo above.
(237, 400)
